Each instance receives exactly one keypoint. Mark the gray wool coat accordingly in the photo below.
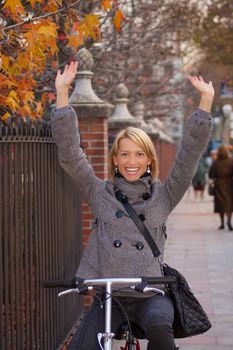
(101, 258)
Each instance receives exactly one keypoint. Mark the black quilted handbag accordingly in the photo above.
(190, 318)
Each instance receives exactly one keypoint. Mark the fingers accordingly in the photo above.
(195, 78)
(66, 68)
(69, 68)
(73, 66)
(192, 78)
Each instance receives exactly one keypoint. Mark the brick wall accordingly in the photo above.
(94, 139)
(166, 154)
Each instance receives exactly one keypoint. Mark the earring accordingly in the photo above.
(116, 170)
(148, 170)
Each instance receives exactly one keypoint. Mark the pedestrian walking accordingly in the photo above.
(221, 171)
(199, 180)
(116, 248)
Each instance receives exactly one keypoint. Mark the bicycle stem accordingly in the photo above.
(108, 318)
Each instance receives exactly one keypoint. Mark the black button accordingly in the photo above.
(119, 214)
(146, 196)
(142, 217)
(117, 243)
(139, 245)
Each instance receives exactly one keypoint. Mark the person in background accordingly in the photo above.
(112, 250)
(221, 171)
(212, 156)
(199, 180)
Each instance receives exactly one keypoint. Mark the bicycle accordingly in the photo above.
(83, 286)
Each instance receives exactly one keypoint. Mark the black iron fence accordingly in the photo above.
(40, 239)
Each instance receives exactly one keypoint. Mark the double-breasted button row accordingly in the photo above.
(139, 245)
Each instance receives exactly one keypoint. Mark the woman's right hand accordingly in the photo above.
(64, 80)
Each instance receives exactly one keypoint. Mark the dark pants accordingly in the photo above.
(153, 315)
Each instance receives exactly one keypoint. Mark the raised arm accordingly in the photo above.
(197, 129)
(65, 131)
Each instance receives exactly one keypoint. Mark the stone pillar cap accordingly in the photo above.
(121, 116)
(139, 115)
(160, 130)
(83, 92)
(165, 137)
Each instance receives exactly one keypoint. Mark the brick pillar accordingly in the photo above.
(94, 139)
(156, 143)
(166, 155)
(93, 116)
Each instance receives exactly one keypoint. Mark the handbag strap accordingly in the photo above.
(140, 225)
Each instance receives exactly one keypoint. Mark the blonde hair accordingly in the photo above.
(141, 139)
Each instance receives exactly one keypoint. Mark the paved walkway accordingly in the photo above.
(204, 255)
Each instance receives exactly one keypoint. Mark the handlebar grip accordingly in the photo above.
(161, 280)
(62, 283)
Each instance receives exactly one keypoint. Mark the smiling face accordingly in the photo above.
(131, 160)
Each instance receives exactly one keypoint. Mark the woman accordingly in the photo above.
(221, 171)
(199, 180)
(112, 249)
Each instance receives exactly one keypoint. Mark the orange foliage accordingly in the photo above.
(30, 42)
(119, 17)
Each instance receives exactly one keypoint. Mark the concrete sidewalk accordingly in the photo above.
(204, 255)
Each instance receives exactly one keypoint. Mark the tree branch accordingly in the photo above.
(63, 9)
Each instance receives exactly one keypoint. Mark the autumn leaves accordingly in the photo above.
(30, 36)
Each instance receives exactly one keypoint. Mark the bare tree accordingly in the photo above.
(145, 53)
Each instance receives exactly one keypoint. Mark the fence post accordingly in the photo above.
(121, 117)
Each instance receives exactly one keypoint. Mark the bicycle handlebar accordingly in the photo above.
(61, 283)
(160, 280)
(75, 282)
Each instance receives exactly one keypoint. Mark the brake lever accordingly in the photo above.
(80, 289)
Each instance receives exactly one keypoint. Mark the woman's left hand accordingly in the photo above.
(201, 86)
(206, 90)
